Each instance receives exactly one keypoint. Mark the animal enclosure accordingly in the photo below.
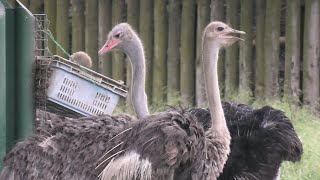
(280, 55)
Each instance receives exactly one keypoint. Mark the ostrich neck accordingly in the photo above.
(139, 100)
(210, 64)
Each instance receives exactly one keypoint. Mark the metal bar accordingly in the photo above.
(7, 81)
(24, 51)
(3, 114)
(10, 77)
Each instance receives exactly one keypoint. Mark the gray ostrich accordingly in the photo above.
(261, 138)
(216, 138)
(242, 162)
(165, 145)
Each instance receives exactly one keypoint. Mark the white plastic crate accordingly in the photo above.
(82, 90)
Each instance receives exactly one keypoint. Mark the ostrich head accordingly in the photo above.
(120, 37)
(123, 37)
(82, 58)
(221, 34)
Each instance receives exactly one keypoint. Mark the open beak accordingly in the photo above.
(109, 45)
(231, 34)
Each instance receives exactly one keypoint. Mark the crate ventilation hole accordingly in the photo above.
(67, 89)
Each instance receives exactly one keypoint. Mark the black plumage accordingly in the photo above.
(260, 140)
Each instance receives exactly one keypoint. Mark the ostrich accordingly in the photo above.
(238, 119)
(82, 58)
(261, 138)
(165, 145)
(217, 138)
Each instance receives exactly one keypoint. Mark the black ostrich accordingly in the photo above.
(260, 140)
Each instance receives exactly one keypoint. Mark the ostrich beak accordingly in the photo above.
(237, 31)
(234, 31)
(230, 34)
(109, 45)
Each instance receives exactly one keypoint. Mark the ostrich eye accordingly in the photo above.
(117, 35)
(220, 28)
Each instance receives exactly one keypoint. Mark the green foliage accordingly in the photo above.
(245, 97)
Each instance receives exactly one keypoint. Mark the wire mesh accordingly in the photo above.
(44, 69)
(41, 35)
(42, 72)
(41, 69)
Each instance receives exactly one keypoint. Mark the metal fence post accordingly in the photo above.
(10, 77)
(24, 56)
(3, 118)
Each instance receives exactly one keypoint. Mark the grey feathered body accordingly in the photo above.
(173, 142)
(261, 140)
(69, 149)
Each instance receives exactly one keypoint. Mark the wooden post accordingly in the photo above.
(187, 67)
(133, 20)
(218, 14)
(217, 10)
(271, 53)
(78, 25)
(232, 78)
(35, 6)
(259, 70)
(62, 25)
(203, 18)
(50, 8)
(26, 3)
(146, 34)
(292, 61)
(160, 52)
(105, 25)
(91, 31)
(311, 54)
(118, 73)
(174, 29)
(245, 50)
